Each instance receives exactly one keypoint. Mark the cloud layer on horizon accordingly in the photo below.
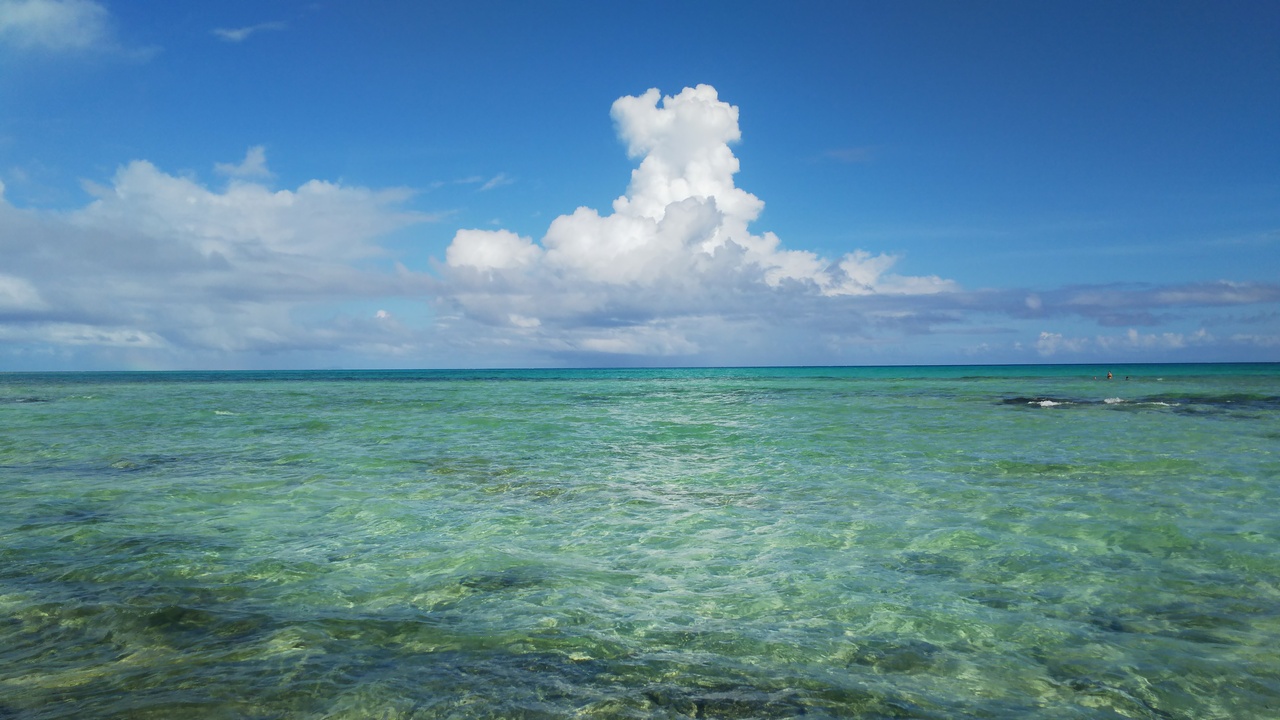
(160, 262)
(162, 270)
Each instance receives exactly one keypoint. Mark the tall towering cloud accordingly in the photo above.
(676, 246)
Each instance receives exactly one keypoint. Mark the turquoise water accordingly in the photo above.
(974, 542)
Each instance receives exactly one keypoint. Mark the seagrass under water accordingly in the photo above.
(987, 542)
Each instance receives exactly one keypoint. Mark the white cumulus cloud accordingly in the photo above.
(319, 219)
(491, 250)
(254, 165)
(676, 245)
(162, 262)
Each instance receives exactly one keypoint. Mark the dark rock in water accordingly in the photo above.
(1123, 703)
(997, 598)
(141, 464)
(724, 702)
(1110, 623)
(894, 655)
(931, 564)
(183, 620)
(179, 618)
(82, 515)
(491, 581)
(72, 516)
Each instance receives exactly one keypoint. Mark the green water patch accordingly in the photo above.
(757, 543)
(60, 515)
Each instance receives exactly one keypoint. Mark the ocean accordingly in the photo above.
(936, 542)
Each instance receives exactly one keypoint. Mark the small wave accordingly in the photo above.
(1140, 402)
(224, 412)
(1040, 401)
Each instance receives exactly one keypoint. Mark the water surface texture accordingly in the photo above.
(973, 542)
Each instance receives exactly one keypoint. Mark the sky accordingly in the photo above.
(270, 184)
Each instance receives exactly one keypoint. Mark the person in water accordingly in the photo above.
(1108, 374)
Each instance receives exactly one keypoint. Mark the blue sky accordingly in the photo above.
(502, 184)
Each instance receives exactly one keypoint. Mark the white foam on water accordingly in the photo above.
(224, 412)
(1113, 400)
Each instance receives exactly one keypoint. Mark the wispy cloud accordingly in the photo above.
(496, 181)
(485, 183)
(1266, 341)
(55, 26)
(1050, 344)
(850, 155)
(240, 34)
(82, 29)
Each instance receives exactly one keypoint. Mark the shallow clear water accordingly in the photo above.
(986, 542)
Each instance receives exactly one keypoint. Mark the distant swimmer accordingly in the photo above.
(1108, 374)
